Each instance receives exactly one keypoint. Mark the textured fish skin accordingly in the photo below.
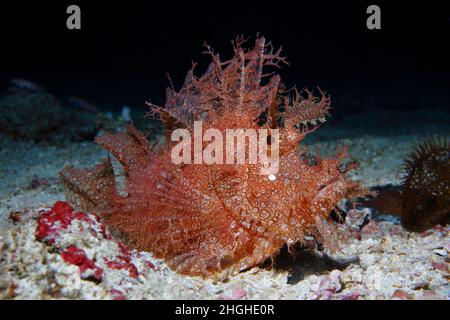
(206, 219)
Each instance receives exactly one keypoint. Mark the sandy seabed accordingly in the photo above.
(383, 262)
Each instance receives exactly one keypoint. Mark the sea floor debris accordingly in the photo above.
(393, 263)
(59, 253)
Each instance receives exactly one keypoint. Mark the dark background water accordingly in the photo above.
(125, 48)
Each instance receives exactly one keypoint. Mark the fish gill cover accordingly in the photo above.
(207, 218)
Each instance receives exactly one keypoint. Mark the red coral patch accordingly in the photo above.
(88, 268)
(57, 218)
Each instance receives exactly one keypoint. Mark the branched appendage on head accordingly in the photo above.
(302, 116)
(231, 89)
(207, 218)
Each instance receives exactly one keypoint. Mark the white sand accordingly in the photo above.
(389, 260)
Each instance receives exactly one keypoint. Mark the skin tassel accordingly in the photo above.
(207, 219)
